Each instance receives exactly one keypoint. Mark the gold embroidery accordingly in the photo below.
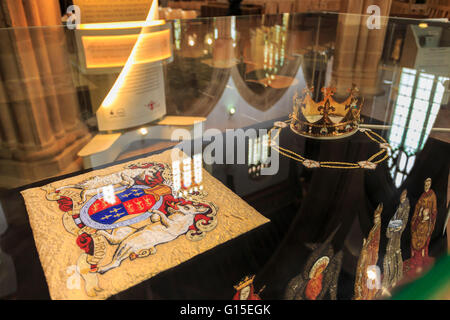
(140, 205)
(148, 201)
(129, 207)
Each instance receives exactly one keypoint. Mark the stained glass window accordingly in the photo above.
(417, 105)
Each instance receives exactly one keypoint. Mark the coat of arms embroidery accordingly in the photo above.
(105, 231)
(133, 211)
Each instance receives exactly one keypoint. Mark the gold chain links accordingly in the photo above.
(370, 163)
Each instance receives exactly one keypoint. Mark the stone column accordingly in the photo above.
(358, 48)
(374, 50)
(40, 127)
(55, 39)
(43, 61)
(25, 81)
(347, 36)
(15, 91)
(8, 132)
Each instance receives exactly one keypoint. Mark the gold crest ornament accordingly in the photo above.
(328, 120)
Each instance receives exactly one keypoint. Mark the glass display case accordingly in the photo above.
(289, 198)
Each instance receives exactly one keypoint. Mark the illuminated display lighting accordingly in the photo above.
(274, 48)
(120, 25)
(187, 173)
(255, 151)
(184, 186)
(198, 177)
(258, 150)
(231, 110)
(143, 131)
(177, 34)
(151, 46)
(108, 194)
(250, 151)
(191, 41)
(285, 20)
(154, 46)
(233, 28)
(95, 47)
(265, 148)
(258, 154)
(176, 176)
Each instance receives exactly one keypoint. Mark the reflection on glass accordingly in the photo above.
(268, 53)
(189, 180)
(108, 194)
(198, 177)
(187, 174)
(176, 176)
(258, 154)
(177, 34)
(418, 102)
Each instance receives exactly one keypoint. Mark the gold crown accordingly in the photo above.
(244, 283)
(328, 118)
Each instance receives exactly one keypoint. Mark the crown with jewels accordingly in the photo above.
(328, 118)
(248, 280)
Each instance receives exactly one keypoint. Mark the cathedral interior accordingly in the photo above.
(237, 65)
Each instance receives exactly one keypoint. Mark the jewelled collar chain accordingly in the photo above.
(369, 164)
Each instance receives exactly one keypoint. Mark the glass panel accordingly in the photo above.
(98, 101)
